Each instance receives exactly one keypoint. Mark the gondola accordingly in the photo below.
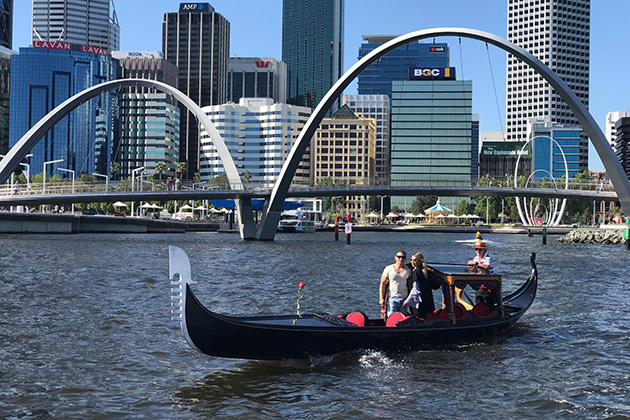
(321, 334)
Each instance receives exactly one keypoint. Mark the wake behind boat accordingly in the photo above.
(320, 334)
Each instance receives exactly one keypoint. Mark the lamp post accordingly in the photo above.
(133, 182)
(381, 197)
(106, 180)
(71, 171)
(50, 162)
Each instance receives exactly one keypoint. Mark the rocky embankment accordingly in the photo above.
(594, 236)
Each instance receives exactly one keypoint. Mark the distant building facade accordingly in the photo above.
(343, 151)
(149, 118)
(259, 135)
(41, 79)
(6, 23)
(85, 22)
(557, 33)
(197, 40)
(548, 156)
(5, 84)
(257, 77)
(622, 143)
(498, 159)
(377, 78)
(378, 108)
(312, 47)
(431, 140)
(611, 122)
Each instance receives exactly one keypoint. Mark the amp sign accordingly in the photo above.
(195, 7)
(432, 73)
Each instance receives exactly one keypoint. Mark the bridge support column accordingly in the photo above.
(268, 226)
(245, 213)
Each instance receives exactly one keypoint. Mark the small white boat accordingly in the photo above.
(296, 225)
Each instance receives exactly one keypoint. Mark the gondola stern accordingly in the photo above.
(180, 276)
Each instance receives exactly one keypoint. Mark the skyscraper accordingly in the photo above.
(42, 78)
(558, 33)
(85, 22)
(377, 78)
(6, 23)
(197, 40)
(312, 47)
(257, 77)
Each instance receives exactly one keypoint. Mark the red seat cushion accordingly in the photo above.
(394, 318)
(357, 318)
(481, 310)
(437, 315)
(460, 311)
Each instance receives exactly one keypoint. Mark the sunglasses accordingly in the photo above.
(401, 256)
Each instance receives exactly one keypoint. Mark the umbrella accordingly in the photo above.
(392, 215)
(372, 215)
(410, 216)
(201, 208)
(452, 216)
(119, 204)
(213, 210)
(146, 206)
(155, 206)
(185, 207)
(421, 215)
(440, 216)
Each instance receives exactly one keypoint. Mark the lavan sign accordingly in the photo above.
(432, 73)
(195, 7)
(50, 45)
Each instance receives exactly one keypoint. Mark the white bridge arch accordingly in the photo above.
(32, 136)
(271, 216)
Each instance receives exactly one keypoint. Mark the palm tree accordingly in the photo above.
(115, 170)
(160, 168)
(181, 168)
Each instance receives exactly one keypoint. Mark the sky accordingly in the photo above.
(256, 31)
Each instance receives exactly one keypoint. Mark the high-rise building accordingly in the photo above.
(558, 33)
(41, 79)
(611, 121)
(551, 144)
(312, 47)
(5, 81)
(377, 78)
(259, 134)
(197, 40)
(257, 77)
(149, 119)
(343, 151)
(378, 108)
(431, 140)
(622, 143)
(84, 22)
(497, 159)
(6, 23)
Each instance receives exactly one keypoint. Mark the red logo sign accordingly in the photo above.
(93, 50)
(53, 45)
(262, 64)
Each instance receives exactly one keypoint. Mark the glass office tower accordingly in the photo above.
(5, 81)
(197, 40)
(548, 155)
(431, 135)
(87, 22)
(378, 77)
(6, 23)
(43, 78)
(312, 47)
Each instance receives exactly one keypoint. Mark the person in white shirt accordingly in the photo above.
(394, 285)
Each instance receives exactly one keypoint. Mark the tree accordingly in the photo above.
(423, 202)
(115, 169)
(462, 208)
(160, 168)
(181, 168)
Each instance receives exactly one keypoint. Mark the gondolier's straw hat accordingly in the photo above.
(479, 242)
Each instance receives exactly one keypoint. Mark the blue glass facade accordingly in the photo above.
(312, 47)
(547, 160)
(41, 79)
(431, 139)
(378, 77)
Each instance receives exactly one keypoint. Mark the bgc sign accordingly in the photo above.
(432, 73)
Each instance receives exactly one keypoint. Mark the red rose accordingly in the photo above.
(301, 284)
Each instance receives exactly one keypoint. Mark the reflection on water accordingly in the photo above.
(86, 331)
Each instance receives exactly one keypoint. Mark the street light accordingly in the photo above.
(46, 163)
(71, 171)
(133, 181)
(381, 197)
(106, 180)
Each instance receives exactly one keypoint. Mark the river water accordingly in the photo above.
(86, 331)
